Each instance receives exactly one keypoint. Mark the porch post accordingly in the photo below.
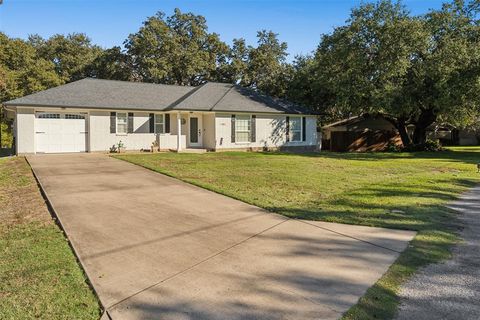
(179, 132)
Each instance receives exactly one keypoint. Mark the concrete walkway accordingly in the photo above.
(450, 290)
(157, 248)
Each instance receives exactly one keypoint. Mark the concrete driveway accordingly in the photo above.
(157, 248)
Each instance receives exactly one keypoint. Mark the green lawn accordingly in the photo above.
(393, 190)
(39, 275)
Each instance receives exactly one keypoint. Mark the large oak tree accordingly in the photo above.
(415, 70)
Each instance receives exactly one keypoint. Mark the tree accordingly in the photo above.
(235, 68)
(414, 70)
(21, 72)
(267, 69)
(444, 81)
(112, 64)
(72, 55)
(176, 50)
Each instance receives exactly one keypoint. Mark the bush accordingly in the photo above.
(429, 145)
(7, 137)
(432, 145)
(393, 147)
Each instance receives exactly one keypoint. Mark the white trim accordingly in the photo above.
(249, 129)
(155, 123)
(126, 124)
(199, 118)
(290, 131)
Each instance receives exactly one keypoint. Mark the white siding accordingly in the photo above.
(270, 132)
(102, 140)
(209, 130)
(25, 130)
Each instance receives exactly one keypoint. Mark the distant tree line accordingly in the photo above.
(416, 70)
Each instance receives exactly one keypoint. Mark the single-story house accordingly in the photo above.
(360, 133)
(93, 115)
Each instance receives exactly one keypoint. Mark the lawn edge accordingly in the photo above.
(58, 222)
(368, 296)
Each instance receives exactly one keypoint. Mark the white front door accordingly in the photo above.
(60, 132)
(195, 131)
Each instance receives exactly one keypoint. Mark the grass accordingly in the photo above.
(39, 274)
(392, 190)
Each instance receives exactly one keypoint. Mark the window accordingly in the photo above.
(74, 116)
(295, 129)
(121, 123)
(159, 123)
(242, 128)
(49, 116)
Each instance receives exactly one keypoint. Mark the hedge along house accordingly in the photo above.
(92, 115)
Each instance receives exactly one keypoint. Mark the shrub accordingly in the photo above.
(393, 147)
(429, 145)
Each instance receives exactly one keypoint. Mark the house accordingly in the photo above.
(360, 133)
(92, 115)
(369, 132)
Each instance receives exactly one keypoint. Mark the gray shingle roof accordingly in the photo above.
(110, 94)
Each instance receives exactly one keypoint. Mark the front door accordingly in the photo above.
(195, 131)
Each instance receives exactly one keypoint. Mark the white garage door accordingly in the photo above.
(60, 132)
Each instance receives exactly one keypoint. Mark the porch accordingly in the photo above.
(188, 131)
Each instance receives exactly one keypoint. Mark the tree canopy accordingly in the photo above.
(416, 70)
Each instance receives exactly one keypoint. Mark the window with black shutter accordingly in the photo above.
(113, 122)
(130, 122)
(253, 128)
(233, 129)
(167, 123)
(151, 122)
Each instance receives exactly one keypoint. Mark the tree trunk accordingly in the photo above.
(426, 118)
(400, 124)
(402, 130)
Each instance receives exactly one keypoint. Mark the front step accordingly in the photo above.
(193, 150)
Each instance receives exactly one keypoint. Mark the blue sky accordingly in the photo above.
(108, 22)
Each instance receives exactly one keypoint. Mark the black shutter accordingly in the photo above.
(288, 129)
(233, 129)
(152, 122)
(113, 122)
(253, 129)
(130, 122)
(167, 123)
(304, 129)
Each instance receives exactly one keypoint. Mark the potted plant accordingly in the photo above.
(154, 146)
(120, 147)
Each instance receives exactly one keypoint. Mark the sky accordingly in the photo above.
(109, 22)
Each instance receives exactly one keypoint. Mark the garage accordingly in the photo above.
(60, 132)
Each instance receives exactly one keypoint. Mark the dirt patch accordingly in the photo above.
(20, 197)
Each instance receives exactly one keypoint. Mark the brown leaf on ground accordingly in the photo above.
(20, 197)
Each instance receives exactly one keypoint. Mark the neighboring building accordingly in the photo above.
(468, 137)
(375, 133)
(94, 115)
(360, 133)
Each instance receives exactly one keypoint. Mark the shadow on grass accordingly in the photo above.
(386, 205)
(472, 157)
